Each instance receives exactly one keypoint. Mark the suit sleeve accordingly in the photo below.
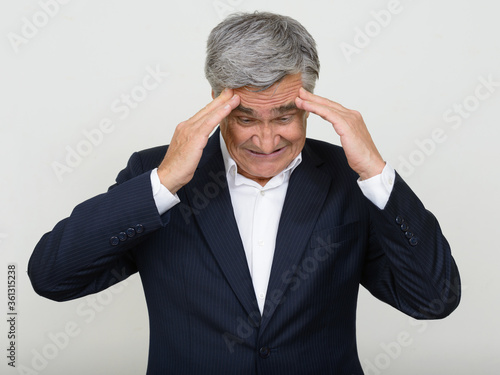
(92, 249)
(409, 262)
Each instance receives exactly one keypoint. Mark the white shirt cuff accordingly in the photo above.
(378, 188)
(163, 197)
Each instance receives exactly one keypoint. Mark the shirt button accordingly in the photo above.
(261, 243)
(262, 295)
(262, 193)
(390, 181)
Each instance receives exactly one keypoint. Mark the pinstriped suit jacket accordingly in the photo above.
(203, 313)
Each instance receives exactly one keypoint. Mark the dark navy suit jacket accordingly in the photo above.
(203, 312)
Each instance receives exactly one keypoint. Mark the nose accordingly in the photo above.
(267, 139)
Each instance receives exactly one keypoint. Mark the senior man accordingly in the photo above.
(251, 243)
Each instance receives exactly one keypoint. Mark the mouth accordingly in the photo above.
(275, 153)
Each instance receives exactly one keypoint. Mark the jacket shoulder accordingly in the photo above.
(141, 162)
(326, 152)
(151, 157)
(323, 148)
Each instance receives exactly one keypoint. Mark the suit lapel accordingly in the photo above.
(208, 190)
(307, 190)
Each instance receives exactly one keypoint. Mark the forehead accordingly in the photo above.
(281, 94)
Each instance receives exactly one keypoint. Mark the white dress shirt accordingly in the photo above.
(257, 210)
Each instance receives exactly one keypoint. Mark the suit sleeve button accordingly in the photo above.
(413, 241)
(122, 236)
(264, 352)
(399, 220)
(408, 235)
(404, 227)
(139, 228)
(130, 232)
(114, 241)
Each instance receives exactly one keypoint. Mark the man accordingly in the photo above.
(251, 243)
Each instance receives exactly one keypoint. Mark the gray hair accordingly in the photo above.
(258, 50)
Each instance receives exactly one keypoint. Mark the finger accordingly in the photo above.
(212, 118)
(327, 113)
(306, 95)
(224, 96)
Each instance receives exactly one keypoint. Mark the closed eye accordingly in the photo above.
(244, 120)
(285, 119)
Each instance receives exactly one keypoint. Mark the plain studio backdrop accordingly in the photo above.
(85, 84)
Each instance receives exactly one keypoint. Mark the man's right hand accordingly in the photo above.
(189, 140)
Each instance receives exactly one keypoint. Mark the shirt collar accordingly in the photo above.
(236, 179)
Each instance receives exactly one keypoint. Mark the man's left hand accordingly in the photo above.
(362, 154)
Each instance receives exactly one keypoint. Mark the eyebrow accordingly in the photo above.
(276, 111)
(285, 108)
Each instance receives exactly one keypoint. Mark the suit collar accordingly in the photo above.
(215, 217)
(235, 179)
(212, 149)
(307, 191)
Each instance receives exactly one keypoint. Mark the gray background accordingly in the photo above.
(419, 75)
